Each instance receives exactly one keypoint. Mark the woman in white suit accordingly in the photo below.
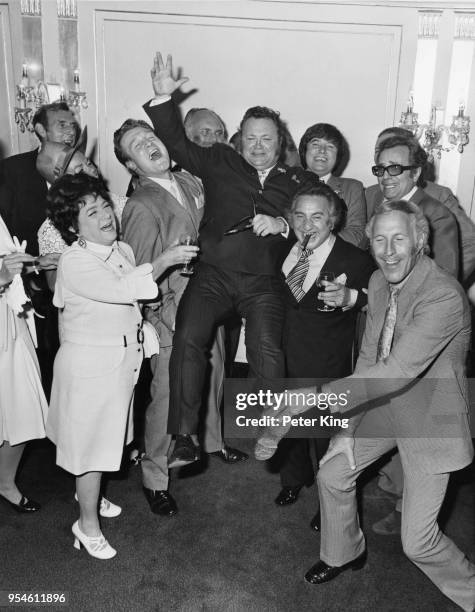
(98, 363)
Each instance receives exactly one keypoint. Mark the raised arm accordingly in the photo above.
(167, 123)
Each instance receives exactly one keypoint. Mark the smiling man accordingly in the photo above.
(398, 166)
(408, 391)
(316, 216)
(164, 207)
(205, 127)
(243, 242)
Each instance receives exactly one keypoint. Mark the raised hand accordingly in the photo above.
(162, 76)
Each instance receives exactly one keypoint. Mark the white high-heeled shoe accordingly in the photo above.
(106, 508)
(97, 546)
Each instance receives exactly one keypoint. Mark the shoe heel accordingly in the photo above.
(77, 544)
(359, 563)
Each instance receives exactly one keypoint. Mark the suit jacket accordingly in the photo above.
(421, 389)
(465, 225)
(232, 188)
(352, 192)
(444, 233)
(320, 344)
(151, 221)
(23, 197)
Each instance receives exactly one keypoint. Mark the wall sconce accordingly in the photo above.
(30, 98)
(435, 136)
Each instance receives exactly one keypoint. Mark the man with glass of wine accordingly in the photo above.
(325, 277)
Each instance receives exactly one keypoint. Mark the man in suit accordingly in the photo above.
(409, 390)
(163, 209)
(318, 212)
(399, 163)
(23, 207)
(243, 237)
(405, 151)
(321, 151)
(441, 193)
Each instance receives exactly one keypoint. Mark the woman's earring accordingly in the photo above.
(82, 242)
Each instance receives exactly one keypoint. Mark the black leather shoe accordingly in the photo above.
(25, 505)
(315, 523)
(230, 455)
(161, 502)
(185, 452)
(287, 496)
(321, 572)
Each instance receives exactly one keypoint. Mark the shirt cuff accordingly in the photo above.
(286, 231)
(159, 100)
(353, 298)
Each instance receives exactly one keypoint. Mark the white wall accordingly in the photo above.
(344, 62)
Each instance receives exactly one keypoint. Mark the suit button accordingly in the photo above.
(260, 191)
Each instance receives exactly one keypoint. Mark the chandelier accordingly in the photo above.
(31, 97)
(434, 137)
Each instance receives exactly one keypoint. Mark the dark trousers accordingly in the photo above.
(213, 295)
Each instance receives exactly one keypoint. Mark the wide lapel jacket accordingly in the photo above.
(419, 391)
(152, 221)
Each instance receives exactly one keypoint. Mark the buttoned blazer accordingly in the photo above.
(152, 221)
(421, 388)
(352, 192)
(320, 344)
(232, 191)
(23, 197)
(444, 233)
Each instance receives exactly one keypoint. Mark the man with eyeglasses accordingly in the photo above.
(399, 163)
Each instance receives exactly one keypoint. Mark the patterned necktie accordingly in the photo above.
(298, 274)
(387, 333)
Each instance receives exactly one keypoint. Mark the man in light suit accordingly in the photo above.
(439, 192)
(409, 390)
(321, 150)
(164, 207)
(444, 240)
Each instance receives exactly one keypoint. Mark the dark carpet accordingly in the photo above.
(230, 548)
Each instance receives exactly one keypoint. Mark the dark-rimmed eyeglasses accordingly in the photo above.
(392, 170)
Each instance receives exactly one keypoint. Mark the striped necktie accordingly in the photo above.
(298, 274)
(387, 333)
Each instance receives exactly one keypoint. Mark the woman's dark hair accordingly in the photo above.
(327, 132)
(66, 198)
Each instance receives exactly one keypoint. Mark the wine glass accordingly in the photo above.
(187, 239)
(323, 279)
